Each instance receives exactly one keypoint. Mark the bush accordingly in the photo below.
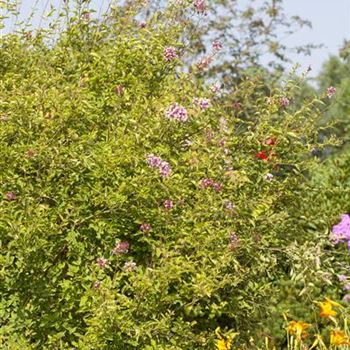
(141, 209)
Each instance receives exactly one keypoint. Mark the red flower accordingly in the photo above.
(262, 155)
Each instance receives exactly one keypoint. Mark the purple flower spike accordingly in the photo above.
(341, 231)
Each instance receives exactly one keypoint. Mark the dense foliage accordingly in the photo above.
(142, 208)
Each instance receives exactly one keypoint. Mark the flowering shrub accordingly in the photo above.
(123, 228)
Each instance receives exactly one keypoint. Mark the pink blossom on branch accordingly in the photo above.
(170, 53)
(216, 45)
(168, 204)
(202, 103)
(331, 91)
(176, 112)
(204, 62)
(153, 161)
(216, 88)
(102, 262)
(284, 101)
(10, 196)
(121, 247)
(145, 227)
(164, 169)
(200, 5)
(156, 162)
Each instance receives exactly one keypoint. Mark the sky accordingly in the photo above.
(330, 21)
(330, 26)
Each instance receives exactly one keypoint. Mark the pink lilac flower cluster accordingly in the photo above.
(170, 53)
(168, 204)
(156, 162)
(202, 103)
(200, 5)
(284, 101)
(10, 196)
(236, 105)
(121, 247)
(145, 227)
(341, 231)
(205, 183)
(216, 88)
(216, 45)
(102, 262)
(204, 62)
(176, 112)
(331, 91)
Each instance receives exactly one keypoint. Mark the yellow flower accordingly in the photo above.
(338, 338)
(224, 342)
(297, 327)
(326, 308)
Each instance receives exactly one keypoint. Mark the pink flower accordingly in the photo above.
(347, 286)
(236, 105)
(170, 53)
(121, 247)
(10, 196)
(284, 102)
(342, 278)
(200, 5)
(203, 103)
(222, 143)
(331, 91)
(217, 186)
(145, 227)
(205, 183)
(156, 162)
(204, 62)
(176, 112)
(216, 88)
(164, 169)
(168, 204)
(102, 262)
(142, 24)
(217, 46)
(153, 160)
